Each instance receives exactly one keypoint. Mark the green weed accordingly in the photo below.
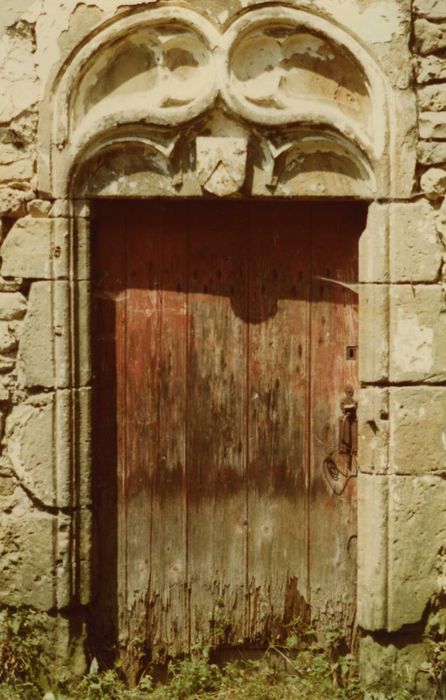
(300, 667)
(434, 668)
(23, 659)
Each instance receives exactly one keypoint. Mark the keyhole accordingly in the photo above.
(351, 352)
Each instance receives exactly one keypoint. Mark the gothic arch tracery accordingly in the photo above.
(300, 103)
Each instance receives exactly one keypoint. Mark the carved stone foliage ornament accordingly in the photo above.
(221, 164)
(271, 69)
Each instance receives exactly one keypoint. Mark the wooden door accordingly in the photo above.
(224, 508)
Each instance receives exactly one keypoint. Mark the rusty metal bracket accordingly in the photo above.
(348, 424)
(347, 450)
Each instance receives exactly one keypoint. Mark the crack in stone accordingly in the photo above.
(431, 380)
(35, 500)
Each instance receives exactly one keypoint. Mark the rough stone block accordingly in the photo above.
(401, 534)
(45, 352)
(393, 664)
(372, 551)
(13, 201)
(417, 441)
(441, 230)
(373, 430)
(12, 306)
(431, 152)
(403, 153)
(21, 169)
(11, 285)
(417, 333)
(17, 71)
(7, 364)
(432, 98)
(373, 325)
(373, 245)
(43, 357)
(39, 446)
(433, 183)
(8, 336)
(429, 36)
(5, 395)
(28, 555)
(432, 125)
(417, 533)
(416, 254)
(39, 208)
(36, 248)
(430, 68)
(434, 9)
(30, 448)
(8, 491)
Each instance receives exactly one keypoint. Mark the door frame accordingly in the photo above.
(63, 168)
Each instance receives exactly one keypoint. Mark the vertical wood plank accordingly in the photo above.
(139, 369)
(334, 328)
(216, 422)
(278, 375)
(168, 599)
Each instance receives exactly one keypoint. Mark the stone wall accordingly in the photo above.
(402, 414)
(45, 390)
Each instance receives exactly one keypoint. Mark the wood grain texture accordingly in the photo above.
(217, 525)
(279, 279)
(334, 328)
(221, 362)
(168, 628)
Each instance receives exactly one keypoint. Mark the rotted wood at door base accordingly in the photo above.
(221, 362)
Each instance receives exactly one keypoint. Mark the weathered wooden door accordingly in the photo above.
(225, 508)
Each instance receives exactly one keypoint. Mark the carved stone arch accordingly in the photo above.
(308, 71)
(273, 70)
(82, 110)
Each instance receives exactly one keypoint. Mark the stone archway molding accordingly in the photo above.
(287, 79)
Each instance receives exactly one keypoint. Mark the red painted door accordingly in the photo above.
(224, 507)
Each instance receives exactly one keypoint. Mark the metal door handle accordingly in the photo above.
(339, 471)
(348, 424)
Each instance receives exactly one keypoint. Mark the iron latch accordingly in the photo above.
(348, 424)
